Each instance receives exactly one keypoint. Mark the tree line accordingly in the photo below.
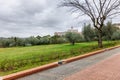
(89, 33)
(30, 41)
(109, 32)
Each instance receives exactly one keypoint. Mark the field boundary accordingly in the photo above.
(52, 65)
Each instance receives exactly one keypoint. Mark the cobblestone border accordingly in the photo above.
(89, 54)
(52, 65)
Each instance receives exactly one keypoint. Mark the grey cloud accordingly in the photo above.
(25, 18)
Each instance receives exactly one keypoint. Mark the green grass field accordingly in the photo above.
(20, 58)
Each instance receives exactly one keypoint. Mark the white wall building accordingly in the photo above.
(117, 25)
(69, 30)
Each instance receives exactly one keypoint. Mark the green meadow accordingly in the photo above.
(20, 58)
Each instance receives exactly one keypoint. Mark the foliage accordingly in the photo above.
(72, 37)
(116, 35)
(32, 40)
(57, 39)
(108, 31)
(88, 32)
(45, 39)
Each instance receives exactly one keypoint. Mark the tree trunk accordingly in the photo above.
(73, 43)
(100, 45)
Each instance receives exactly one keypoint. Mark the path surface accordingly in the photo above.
(108, 69)
(61, 72)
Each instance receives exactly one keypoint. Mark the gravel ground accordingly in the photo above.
(59, 73)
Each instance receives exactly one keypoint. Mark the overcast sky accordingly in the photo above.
(23, 18)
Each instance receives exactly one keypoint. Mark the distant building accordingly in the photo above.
(59, 33)
(117, 25)
(69, 30)
(72, 30)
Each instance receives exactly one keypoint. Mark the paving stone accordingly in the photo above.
(108, 69)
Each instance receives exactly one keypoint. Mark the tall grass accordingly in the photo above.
(19, 57)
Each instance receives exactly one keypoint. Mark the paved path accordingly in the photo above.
(61, 72)
(108, 69)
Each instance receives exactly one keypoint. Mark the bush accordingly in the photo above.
(88, 33)
(72, 37)
(116, 35)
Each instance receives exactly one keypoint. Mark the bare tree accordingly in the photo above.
(97, 10)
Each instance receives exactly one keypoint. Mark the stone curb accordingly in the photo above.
(52, 65)
(89, 54)
(28, 72)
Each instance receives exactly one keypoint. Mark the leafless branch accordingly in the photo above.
(97, 13)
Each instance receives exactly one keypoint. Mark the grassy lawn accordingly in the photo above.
(20, 58)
